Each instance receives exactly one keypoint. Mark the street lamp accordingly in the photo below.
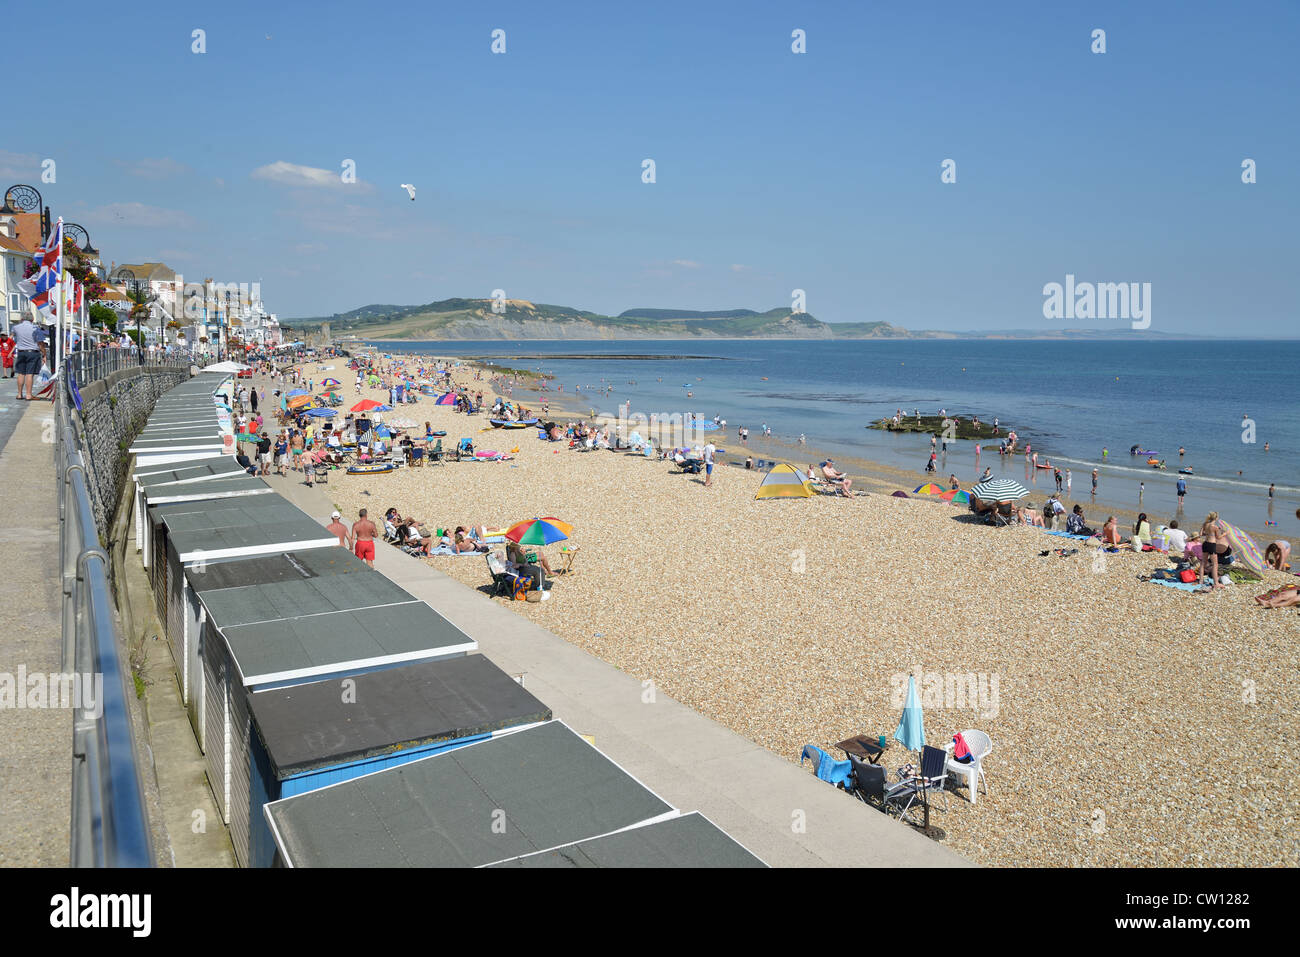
(82, 237)
(21, 198)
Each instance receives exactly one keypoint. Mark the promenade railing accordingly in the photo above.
(109, 825)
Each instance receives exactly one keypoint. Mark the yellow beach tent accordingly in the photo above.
(784, 481)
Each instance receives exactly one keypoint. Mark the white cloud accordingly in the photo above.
(149, 168)
(22, 167)
(686, 263)
(291, 174)
(138, 214)
(737, 267)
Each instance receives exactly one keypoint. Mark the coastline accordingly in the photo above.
(869, 475)
(792, 622)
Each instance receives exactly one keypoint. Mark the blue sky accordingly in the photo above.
(775, 171)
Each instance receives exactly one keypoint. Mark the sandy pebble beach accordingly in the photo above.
(1133, 725)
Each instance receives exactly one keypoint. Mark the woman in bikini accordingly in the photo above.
(1212, 546)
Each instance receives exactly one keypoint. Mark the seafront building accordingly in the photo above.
(14, 257)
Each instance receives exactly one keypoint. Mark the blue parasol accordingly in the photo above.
(910, 732)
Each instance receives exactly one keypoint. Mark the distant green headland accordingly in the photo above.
(507, 319)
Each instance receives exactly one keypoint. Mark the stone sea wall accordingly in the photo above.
(113, 412)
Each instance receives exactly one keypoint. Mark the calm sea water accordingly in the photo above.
(1069, 400)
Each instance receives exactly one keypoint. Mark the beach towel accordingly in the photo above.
(1082, 538)
(1181, 586)
(448, 550)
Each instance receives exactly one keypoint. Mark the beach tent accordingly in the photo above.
(898, 494)
(447, 398)
(784, 481)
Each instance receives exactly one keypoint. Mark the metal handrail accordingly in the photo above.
(109, 824)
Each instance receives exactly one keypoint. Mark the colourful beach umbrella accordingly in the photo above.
(1244, 547)
(330, 381)
(367, 405)
(447, 398)
(956, 496)
(539, 531)
(910, 732)
(784, 481)
(929, 488)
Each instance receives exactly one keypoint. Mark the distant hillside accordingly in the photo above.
(521, 319)
(685, 314)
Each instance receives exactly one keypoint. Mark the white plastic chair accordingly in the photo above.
(973, 772)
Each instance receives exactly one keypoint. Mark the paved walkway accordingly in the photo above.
(779, 811)
(35, 744)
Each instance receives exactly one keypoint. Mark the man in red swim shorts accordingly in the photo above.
(363, 538)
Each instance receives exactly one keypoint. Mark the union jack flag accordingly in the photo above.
(49, 259)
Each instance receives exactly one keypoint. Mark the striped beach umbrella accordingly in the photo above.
(1244, 546)
(929, 488)
(330, 381)
(999, 490)
(956, 496)
(539, 531)
(784, 481)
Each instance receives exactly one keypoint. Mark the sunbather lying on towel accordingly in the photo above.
(462, 542)
(1286, 597)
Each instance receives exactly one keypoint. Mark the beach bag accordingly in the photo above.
(1187, 575)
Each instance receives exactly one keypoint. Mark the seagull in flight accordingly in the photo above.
(410, 190)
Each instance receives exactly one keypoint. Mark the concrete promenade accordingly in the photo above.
(778, 810)
(35, 744)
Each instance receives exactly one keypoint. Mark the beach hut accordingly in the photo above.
(687, 841)
(183, 473)
(784, 481)
(311, 735)
(266, 637)
(544, 788)
(197, 533)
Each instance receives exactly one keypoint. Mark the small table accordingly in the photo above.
(864, 748)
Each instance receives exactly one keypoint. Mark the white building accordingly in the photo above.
(13, 258)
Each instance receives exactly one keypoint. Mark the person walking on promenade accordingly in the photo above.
(27, 356)
(338, 528)
(363, 539)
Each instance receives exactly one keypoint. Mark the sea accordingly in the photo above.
(1233, 405)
